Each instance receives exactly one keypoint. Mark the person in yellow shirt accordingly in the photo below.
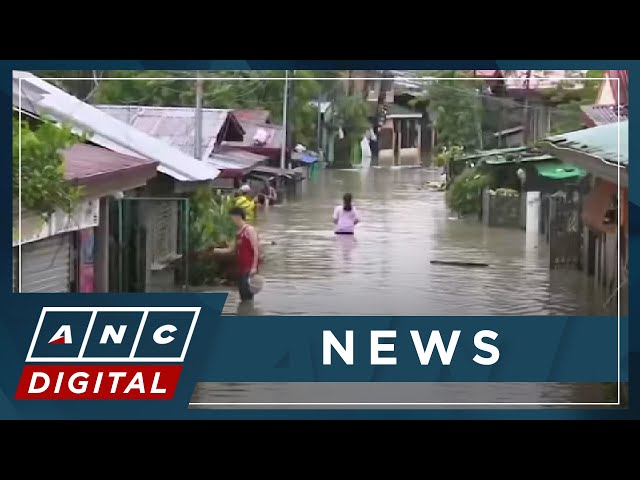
(246, 202)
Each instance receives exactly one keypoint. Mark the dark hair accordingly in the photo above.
(261, 199)
(346, 202)
(237, 212)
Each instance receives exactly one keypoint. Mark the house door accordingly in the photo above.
(565, 230)
(149, 238)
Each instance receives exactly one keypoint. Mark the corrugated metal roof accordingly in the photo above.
(501, 160)
(87, 164)
(497, 151)
(176, 125)
(43, 99)
(600, 142)
(243, 155)
(604, 114)
(256, 116)
(509, 131)
(236, 160)
(275, 171)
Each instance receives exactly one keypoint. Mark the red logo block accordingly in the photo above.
(95, 382)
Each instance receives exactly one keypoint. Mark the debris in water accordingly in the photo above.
(459, 264)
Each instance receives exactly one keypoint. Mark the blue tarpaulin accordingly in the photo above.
(309, 158)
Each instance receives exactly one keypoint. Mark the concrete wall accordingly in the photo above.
(501, 211)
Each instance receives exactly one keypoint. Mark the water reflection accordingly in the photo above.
(385, 270)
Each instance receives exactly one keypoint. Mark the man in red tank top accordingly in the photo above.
(247, 251)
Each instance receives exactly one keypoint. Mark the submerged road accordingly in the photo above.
(385, 269)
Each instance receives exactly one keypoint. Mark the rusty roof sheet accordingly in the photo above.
(604, 114)
(176, 125)
(86, 164)
(41, 98)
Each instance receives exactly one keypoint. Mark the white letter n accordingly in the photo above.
(110, 331)
(329, 341)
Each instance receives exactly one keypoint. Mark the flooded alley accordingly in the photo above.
(385, 270)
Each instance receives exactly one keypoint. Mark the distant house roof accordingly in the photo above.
(396, 111)
(539, 79)
(89, 165)
(235, 163)
(509, 151)
(509, 131)
(603, 114)
(176, 125)
(41, 98)
(255, 116)
(619, 76)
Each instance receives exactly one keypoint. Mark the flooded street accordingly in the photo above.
(385, 270)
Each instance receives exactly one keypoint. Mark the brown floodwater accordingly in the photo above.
(385, 269)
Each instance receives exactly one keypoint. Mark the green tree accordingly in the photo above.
(38, 166)
(351, 115)
(456, 107)
(169, 88)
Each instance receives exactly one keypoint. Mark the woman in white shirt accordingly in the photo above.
(345, 216)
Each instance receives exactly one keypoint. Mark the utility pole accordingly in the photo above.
(291, 128)
(379, 117)
(526, 122)
(285, 108)
(319, 134)
(197, 147)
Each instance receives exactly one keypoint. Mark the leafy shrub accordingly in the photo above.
(465, 195)
(41, 169)
(448, 155)
(210, 226)
(210, 223)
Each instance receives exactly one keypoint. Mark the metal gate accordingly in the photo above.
(565, 230)
(148, 237)
(45, 265)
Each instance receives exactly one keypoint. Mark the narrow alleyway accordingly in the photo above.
(386, 270)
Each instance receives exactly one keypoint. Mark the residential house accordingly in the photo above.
(403, 136)
(511, 137)
(146, 225)
(604, 152)
(529, 108)
(400, 137)
(70, 252)
(612, 103)
(176, 127)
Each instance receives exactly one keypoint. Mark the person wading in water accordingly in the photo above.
(245, 201)
(345, 216)
(247, 250)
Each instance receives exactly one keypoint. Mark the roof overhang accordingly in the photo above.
(593, 164)
(43, 99)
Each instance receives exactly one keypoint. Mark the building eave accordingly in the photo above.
(595, 165)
